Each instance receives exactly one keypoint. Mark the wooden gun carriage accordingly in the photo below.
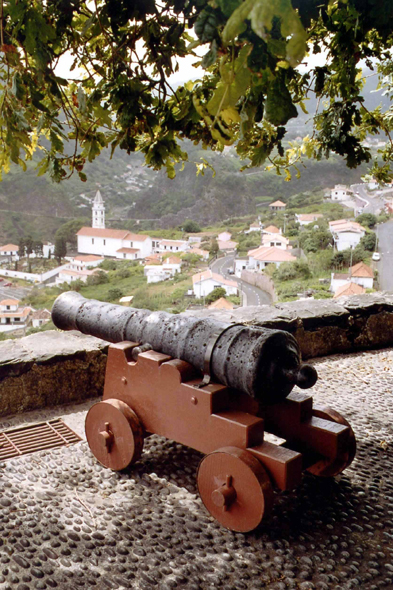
(148, 392)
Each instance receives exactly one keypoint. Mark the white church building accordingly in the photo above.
(116, 243)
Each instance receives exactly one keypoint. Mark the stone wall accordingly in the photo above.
(51, 368)
(323, 327)
(263, 282)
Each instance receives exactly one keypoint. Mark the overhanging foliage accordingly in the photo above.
(124, 51)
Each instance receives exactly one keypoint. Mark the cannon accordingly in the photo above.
(223, 389)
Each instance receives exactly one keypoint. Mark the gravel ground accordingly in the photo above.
(66, 522)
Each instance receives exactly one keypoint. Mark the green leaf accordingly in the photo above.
(235, 24)
(206, 26)
(279, 107)
(210, 57)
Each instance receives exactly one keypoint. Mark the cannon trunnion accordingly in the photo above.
(151, 392)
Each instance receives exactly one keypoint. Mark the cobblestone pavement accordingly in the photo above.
(66, 522)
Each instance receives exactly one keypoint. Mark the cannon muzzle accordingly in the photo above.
(261, 362)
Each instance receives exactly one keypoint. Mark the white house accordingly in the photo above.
(277, 206)
(346, 234)
(205, 282)
(306, 218)
(40, 317)
(239, 265)
(84, 261)
(371, 183)
(272, 229)
(156, 273)
(226, 245)
(173, 263)
(360, 274)
(341, 193)
(68, 275)
(10, 251)
(276, 240)
(224, 236)
(172, 246)
(13, 317)
(261, 257)
(253, 227)
(197, 240)
(112, 242)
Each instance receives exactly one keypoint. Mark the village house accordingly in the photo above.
(341, 193)
(372, 183)
(256, 226)
(349, 289)
(171, 246)
(227, 245)
(9, 252)
(240, 264)
(84, 261)
(40, 317)
(224, 236)
(277, 206)
(261, 257)
(272, 229)
(157, 272)
(205, 282)
(221, 303)
(197, 240)
(13, 317)
(346, 234)
(204, 254)
(68, 275)
(360, 274)
(276, 240)
(173, 263)
(307, 218)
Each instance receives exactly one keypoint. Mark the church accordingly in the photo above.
(115, 243)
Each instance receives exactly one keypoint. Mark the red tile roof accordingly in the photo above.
(277, 204)
(271, 254)
(9, 248)
(362, 270)
(208, 274)
(349, 289)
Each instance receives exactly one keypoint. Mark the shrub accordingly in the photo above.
(108, 264)
(367, 219)
(123, 273)
(369, 241)
(215, 294)
(191, 227)
(114, 294)
(98, 278)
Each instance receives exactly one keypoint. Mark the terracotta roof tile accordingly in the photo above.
(208, 274)
(9, 248)
(221, 303)
(277, 204)
(362, 270)
(349, 289)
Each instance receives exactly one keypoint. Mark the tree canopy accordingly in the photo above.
(123, 53)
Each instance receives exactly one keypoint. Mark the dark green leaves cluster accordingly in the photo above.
(118, 93)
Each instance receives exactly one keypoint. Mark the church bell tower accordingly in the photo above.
(98, 211)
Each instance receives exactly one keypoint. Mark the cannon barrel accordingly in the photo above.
(261, 362)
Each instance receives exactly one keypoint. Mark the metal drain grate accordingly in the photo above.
(35, 437)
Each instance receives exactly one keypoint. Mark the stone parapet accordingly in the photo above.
(50, 368)
(323, 327)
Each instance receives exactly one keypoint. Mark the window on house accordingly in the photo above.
(104, 242)
(8, 306)
(131, 244)
(17, 319)
(124, 255)
(92, 240)
(272, 243)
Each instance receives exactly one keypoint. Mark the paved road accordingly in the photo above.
(375, 199)
(385, 247)
(251, 295)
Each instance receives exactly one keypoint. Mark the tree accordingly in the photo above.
(123, 52)
(22, 247)
(217, 293)
(68, 230)
(213, 247)
(60, 249)
(29, 245)
(368, 242)
(38, 248)
(367, 219)
(191, 227)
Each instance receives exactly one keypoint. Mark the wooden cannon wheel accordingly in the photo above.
(235, 488)
(332, 467)
(114, 434)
